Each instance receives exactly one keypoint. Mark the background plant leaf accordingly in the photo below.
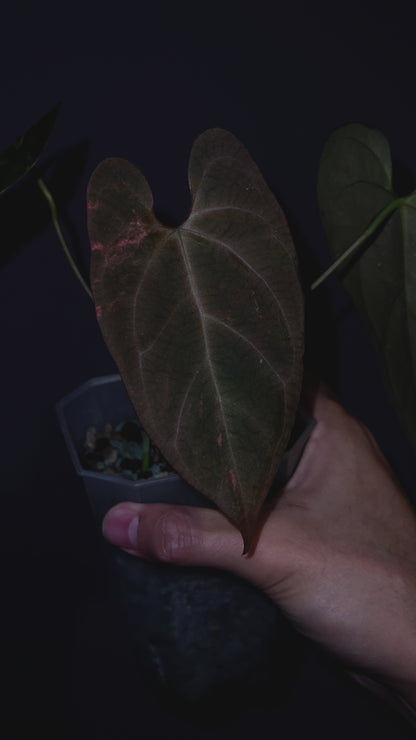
(354, 185)
(22, 154)
(205, 322)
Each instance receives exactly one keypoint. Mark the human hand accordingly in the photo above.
(336, 551)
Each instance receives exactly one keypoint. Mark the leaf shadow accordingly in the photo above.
(403, 179)
(320, 359)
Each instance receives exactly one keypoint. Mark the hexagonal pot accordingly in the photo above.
(198, 632)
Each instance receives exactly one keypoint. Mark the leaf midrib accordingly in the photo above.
(195, 293)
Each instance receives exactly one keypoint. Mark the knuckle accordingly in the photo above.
(174, 538)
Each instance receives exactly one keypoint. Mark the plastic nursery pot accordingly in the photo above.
(198, 632)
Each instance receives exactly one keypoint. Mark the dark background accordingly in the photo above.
(142, 83)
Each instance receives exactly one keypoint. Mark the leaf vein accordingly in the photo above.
(162, 328)
(376, 156)
(248, 266)
(246, 340)
(202, 314)
(181, 410)
(204, 211)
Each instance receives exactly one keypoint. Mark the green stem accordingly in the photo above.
(378, 220)
(55, 222)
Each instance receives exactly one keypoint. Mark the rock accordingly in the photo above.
(90, 438)
(107, 431)
(111, 456)
(122, 451)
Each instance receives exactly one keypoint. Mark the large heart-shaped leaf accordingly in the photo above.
(354, 187)
(22, 154)
(205, 321)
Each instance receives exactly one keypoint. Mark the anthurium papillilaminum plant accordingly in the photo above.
(204, 321)
(371, 231)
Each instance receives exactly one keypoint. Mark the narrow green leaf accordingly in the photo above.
(354, 186)
(20, 156)
(205, 322)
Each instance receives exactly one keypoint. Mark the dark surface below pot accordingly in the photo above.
(199, 633)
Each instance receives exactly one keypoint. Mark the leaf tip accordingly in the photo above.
(246, 547)
(248, 534)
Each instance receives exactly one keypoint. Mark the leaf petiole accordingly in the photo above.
(376, 222)
(55, 222)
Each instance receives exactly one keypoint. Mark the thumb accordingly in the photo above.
(179, 535)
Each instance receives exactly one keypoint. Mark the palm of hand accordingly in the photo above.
(338, 550)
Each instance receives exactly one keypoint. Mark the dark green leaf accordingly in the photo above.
(204, 321)
(20, 156)
(354, 185)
